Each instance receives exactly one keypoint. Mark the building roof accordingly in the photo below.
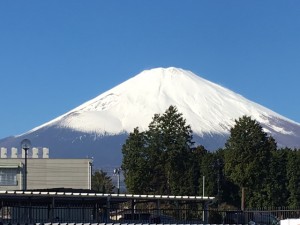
(62, 196)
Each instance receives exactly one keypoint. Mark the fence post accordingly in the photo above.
(243, 199)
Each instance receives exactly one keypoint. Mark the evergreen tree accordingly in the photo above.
(293, 174)
(229, 192)
(158, 182)
(164, 155)
(277, 183)
(198, 154)
(136, 163)
(101, 182)
(209, 171)
(247, 156)
(176, 139)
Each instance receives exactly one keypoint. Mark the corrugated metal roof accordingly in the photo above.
(103, 195)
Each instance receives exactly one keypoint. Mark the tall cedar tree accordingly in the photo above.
(163, 153)
(176, 138)
(136, 165)
(247, 158)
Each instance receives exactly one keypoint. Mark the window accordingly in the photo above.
(8, 176)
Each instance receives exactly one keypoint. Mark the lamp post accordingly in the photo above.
(91, 173)
(117, 171)
(26, 145)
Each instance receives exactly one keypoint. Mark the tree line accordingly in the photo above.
(164, 160)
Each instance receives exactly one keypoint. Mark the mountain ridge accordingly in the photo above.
(109, 98)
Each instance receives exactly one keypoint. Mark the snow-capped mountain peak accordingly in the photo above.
(209, 108)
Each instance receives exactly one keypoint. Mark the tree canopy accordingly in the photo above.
(164, 160)
(248, 156)
(159, 159)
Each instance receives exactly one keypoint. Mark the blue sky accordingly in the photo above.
(55, 55)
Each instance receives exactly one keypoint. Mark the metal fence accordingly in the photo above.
(43, 214)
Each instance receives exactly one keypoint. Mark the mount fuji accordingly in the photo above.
(99, 127)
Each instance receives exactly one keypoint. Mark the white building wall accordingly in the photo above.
(50, 173)
(54, 173)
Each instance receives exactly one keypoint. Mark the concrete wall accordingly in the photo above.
(50, 173)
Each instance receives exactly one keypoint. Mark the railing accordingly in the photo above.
(46, 215)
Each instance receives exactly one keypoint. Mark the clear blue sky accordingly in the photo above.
(55, 55)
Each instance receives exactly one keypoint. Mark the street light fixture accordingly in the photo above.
(117, 171)
(26, 145)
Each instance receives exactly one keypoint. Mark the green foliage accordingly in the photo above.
(139, 163)
(293, 173)
(198, 155)
(228, 191)
(209, 171)
(160, 160)
(277, 179)
(101, 182)
(248, 155)
(136, 165)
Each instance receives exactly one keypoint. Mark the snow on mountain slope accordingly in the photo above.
(208, 107)
(100, 126)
